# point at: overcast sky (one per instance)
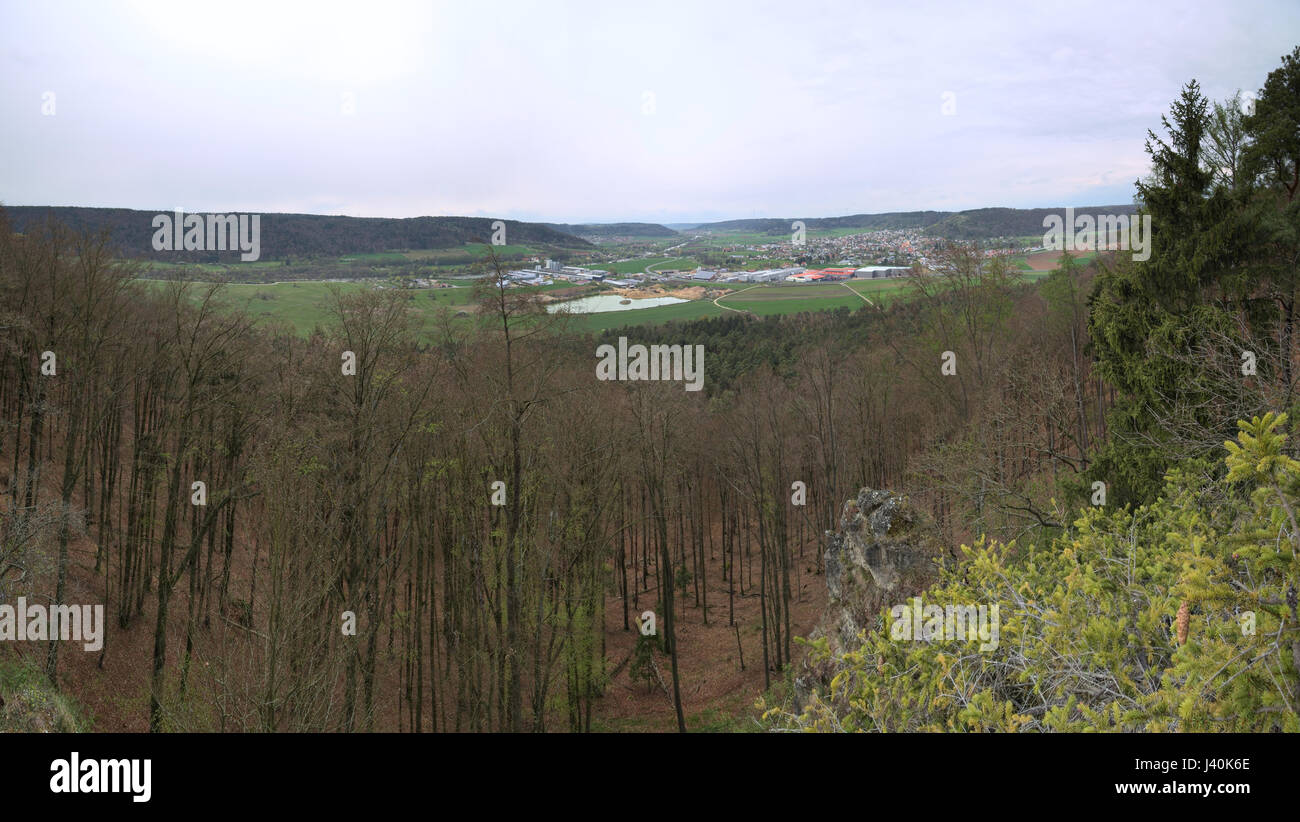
(605, 111)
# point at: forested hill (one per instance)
(1008, 222)
(610, 230)
(316, 235)
(300, 235)
(974, 224)
(866, 222)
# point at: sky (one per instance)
(605, 111)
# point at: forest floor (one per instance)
(110, 688)
(717, 695)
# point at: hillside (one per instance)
(285, 236)
(299, 235)
(601, 231)
(973, 224)
(866, 222)
(979, 223)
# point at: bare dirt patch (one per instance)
(648, 291)
(1047, 260)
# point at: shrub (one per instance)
(1177, 616)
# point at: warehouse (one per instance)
(875, 272)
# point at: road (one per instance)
(859, 293)
(649, 267)
(732, 294)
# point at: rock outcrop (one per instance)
(885, 551)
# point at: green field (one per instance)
(481, 249)
(739, 238)
(788, 299)
(159, 269)
(627, 266)
(378, 258)
(640, 239)
(305, 305)
(674, 263)
(640, 265)
(425, 261)
(880, 291)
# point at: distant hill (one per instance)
(866, 222)
(974, 224)
(1008, 222)
(603, 230)
(315, 235)
(300, 235)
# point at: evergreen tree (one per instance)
(1146, 316)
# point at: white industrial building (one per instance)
(779, 274)
(553, 268)
(875, 272)
(768, 275)
(527, 277)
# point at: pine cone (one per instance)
(1181, 624)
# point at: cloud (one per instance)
(540, 111)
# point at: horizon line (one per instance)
(664, 224)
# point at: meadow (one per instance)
(305, 305)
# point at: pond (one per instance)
(609, 302)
